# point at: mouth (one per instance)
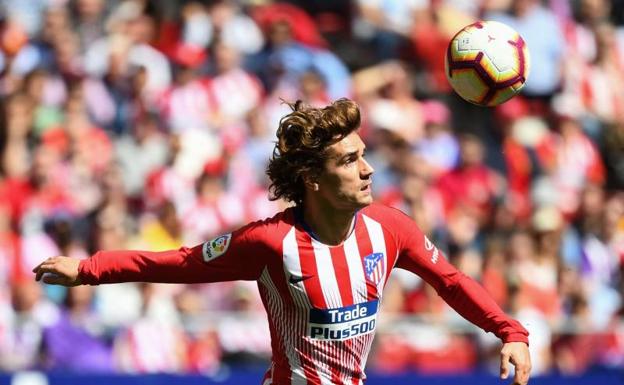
(366, 187)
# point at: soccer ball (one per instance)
(487, 63)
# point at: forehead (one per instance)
(350, 143)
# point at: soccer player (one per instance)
(321, 265)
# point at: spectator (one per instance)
(154, 343)
(539, 28)
(24, 321)
(387, 23)
(471, 186)
(234, 91)
(78, 325)
(214, 211)
(283, 59)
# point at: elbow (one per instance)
(450, 283)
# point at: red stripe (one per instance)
(307, 261)
(366, 248)
(391, 253)
(341, 269)
(343, 279)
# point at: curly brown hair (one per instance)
(303, 137)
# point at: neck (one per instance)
(330, 225)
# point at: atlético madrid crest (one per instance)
(374, 267)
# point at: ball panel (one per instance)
(461, 50)
(489, 71)
(517, 86)
(486, 70)
(501, 54)
(469, 85)
(506, 76)
(496, 28)
(501, 96)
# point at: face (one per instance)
(471, 152)
(346, 181)
(226, 58)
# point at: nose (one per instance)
(366, 170)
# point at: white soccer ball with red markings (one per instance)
(487, 63)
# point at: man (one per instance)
(321, 265)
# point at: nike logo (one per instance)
(295, 279)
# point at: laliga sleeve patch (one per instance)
(216, 247)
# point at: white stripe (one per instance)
(327, 275)
(359, 292)
(375, 232)
(356, 270)
(292, 265)
(331, 293)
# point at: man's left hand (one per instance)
(516, 353)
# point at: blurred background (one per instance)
(148, 124)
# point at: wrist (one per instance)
(516, 337)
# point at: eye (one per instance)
(350, 160)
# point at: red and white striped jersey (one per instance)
(322, 301)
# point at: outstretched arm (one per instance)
(464, 295)
(236, 256)
(474, 303)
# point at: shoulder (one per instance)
(381, 210)
(270, 230)
(387, 216)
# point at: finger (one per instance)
(46, 262)
(45, 269)
(34, 270)
(55, 279)
(504, 367)
(39, 274)
(522, 376)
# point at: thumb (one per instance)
(504, 367)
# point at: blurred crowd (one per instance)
(148, 124)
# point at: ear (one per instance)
(310, 183)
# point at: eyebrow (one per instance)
(351, 154)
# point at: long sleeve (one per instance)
(475, 304)
(466, 296)
(240, 255)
